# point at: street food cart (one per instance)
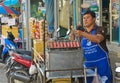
(62, 63)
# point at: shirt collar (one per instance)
(95, 27)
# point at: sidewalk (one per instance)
(114, 52)
(3, 78)
(114, 47)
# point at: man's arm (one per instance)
(94, 38)
(97, 38)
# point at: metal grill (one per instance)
(61, 59)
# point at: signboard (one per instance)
(89, 1)
(11, 22)
(4, 19)
(94, 8)
(115, 6)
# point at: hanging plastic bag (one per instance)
(32, 69)
(98, 79)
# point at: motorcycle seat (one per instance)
(24, 52)
(27, 57)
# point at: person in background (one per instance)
(93, 43)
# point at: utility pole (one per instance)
(119, 24)
(74, 13)
(27, 14)
(56, 17)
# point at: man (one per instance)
(93, 43)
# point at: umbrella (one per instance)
(5, 10)
(15, 12)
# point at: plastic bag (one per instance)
(32, 69)
(98, 79)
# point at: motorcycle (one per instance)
(20, 67)
(1, 49)
(9, 42)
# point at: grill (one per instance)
(63, 59)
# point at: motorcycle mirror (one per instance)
(68, 32)
(58, 29)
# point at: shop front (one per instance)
(32, 15)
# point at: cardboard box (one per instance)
(6, 28)
(38, 46)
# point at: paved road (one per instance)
(3, 78)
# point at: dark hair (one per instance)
(91, 13)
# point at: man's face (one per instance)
(88, 20)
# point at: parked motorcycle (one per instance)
(20, 66)
(9, 42)
(1, 49)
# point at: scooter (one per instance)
(9, 42)
(20, 66)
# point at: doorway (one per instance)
(106, 16)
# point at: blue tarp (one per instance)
(3, 10)
(50, 14)
(10, 2)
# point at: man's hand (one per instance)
(78, 33)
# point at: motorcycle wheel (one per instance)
(6, 59)
(12, 80)
(10, 67)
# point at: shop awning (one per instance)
(7, 10)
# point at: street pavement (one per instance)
(3, 78)
(114, 55)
